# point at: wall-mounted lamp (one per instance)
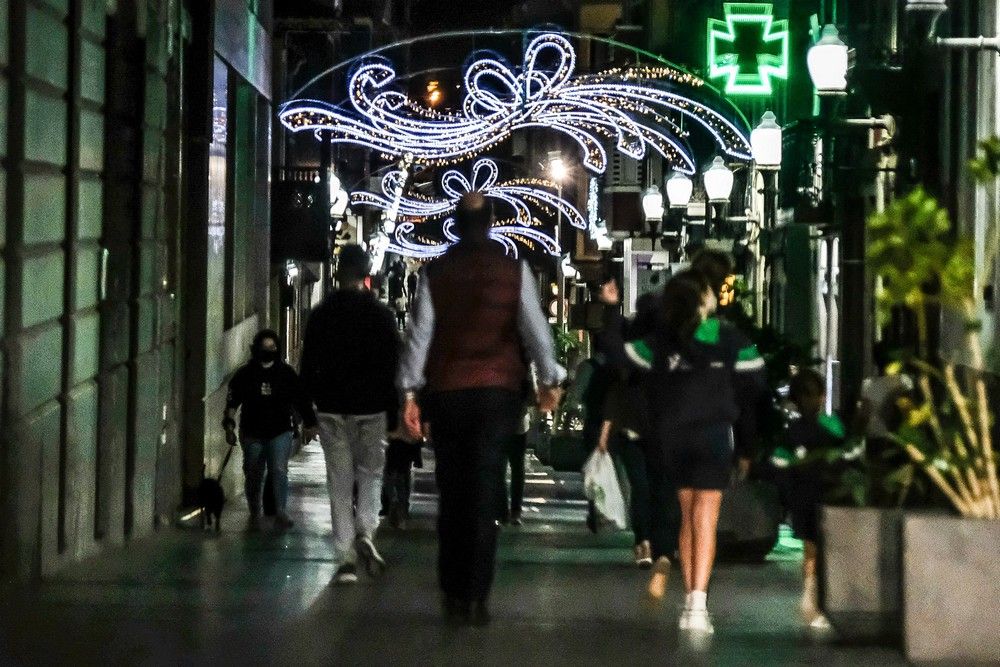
(935, 8)
(827, 61)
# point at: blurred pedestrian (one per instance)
(403, 454)
(349, 359)
(267, 392)
(476, 308)
(812, 432)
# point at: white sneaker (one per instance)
(346, 574)
(698, 621)
(684, 622)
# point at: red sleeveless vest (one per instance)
(475, 291)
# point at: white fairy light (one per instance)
(520, 195)
(499, 100)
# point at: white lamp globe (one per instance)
(718, 181)
(827, 60)
(765, 142)
(679, 189)
(652, 203)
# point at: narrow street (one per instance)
(563, 597)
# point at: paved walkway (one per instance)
(563, 597)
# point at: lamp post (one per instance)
(718, 179)
(679, 189)
(558, 171)
(652, 206)
(765, 146)
(847, 291)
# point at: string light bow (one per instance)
(639, 108)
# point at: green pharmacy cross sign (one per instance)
(749, 48)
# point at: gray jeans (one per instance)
(354, 448)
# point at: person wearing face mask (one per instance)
(267, 392)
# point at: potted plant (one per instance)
(951, 572)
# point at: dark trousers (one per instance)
(516, 447)
(664, 508)
(632, 454)
(469, 428)
(399, 460)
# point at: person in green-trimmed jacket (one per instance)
(704, 382)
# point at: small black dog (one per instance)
(211, 497)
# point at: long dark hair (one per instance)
(680, 307)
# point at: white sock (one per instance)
(699, 601)
(687, 602)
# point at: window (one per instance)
(242, 235)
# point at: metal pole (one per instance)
(560, 274)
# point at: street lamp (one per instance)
(718, 179)
(679, 189)
(652, 203)
(558, 171)
(827, 60)
(765, 143)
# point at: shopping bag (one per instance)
(600, 484)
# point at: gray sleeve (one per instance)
(535, 333)
(419, 334)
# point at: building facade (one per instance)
(133, 276)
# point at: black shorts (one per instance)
(701, 458)
(805, 496)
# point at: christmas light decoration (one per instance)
(771, 58)
(507, 233)
(626, 105)
(520, 195)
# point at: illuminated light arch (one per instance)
(520, 195)
(507, 233)
(771, 62)
(628, 106)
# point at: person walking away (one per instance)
(266, 391)
(401, 457)
(475, 309)
(812, 431)
(349, 359)
(515, 451)
(696, 397)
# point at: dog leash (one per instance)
(225, 462)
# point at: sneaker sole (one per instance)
(346, 579)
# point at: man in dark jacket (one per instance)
(349, 360)
(475, 310)
(266, 390)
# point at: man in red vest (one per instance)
(474, 311)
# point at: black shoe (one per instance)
(592, 517)
(480, 616)
(456, 612)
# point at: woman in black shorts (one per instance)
(704, 376)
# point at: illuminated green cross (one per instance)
(746, 72)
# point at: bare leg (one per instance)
(686, 538)
(811, 612)
(706, 505)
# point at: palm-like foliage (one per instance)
(947, 431)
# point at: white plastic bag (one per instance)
(600, 484)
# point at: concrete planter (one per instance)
(951, 569)
(861, 572)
